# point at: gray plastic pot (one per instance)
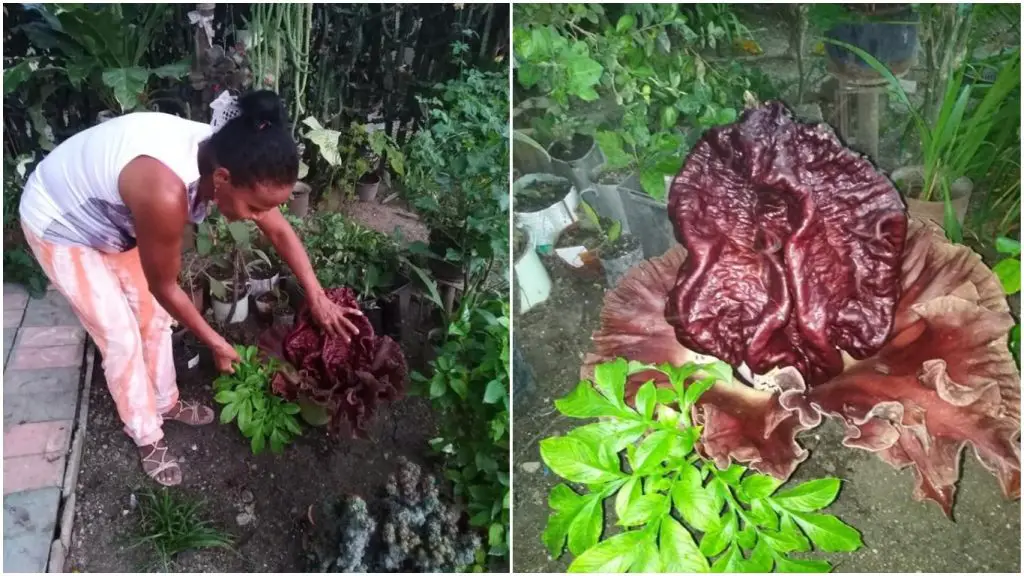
(648, 221)
(298, 204)
(367, 187)
(544, 226)
(606, 200)
(580, 170)
(616, 268)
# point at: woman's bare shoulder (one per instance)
(146, 183)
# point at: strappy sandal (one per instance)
(191, 413)
(158, 461)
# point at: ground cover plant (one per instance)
(169, 525)
(645, 454)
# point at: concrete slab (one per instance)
(27, 358)
(9, 335)
(15, 301)
(11, 288)
(29, 522)
(53, 310)
(41, 336)
(12, 318)
(38, 381)
(33, 472)
(39, 407)
(37, 438)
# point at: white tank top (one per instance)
(72, 196)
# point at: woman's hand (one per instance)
(332, 318)
(224, 355)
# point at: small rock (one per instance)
(133, 502)
(125, 512)
(530, 467)
(194, 447)
(243, 519)
(271, 475)
(252, 466)
(247, 496)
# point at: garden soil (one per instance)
(899, 535)
(261, 501)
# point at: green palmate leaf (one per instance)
(809, 496)
(1008, 272)
(763, 514)
(679, 553)
(829, 533)
(644, 509)
(614, 555)
(610, 380)
(719, 535)
(646, 399)
(652, 451)
(627, 495)
(730, 562)
(756, 486)
(585, 530)
(761, 559)
(566, 505)
(783, 564)
(127, 85)
(697, 504)
(575, 461)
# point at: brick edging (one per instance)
(61, 545)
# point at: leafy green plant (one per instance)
(354, 153)
(20, 267)
(100, 46)
(345, 253)
(469, 388)
(666, 491)
(230, 254)
(246, 397)
(171, 525)
(1008, 272)
(662, 157)
(951, 144)
(610, 231)
(457, 177)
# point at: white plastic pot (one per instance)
(260, 287)
(532, 279)
(544, 226)
(222, 309)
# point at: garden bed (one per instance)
(220, 469)
(899, 535)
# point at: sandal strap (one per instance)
(162, 463)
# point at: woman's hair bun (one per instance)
(262, 107)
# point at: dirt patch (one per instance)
(220, 469)
(387, 218)
(900, 535)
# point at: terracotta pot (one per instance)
(934, 210)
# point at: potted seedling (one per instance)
(354, 154)
(615, 251)
(544, 205)
(225, 244)
(382, 149)
(272, 304)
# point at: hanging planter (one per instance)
(578, 161)
(533, 284)
(910, 182)
(298, 204)
(545, 205)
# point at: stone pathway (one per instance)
(44, 367)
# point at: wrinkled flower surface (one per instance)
(925, 370)
(794, 247)
(349, 379)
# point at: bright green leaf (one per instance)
(652, 451)
(697, 504)
(644, 509)
(829, 533)
(809, 496)
(783, 564)
(585, 530)
(1008, 272)
(756, 486)
(719, 534)
(495, 391)
(731, 562)
(679, 553)
(575, 461)
(628, 494)
(646, 399)
(615, 554)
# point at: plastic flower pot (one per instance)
(578, 161)
(618, 259)
(298, 204)
(910, 180)
(545, 224)
(532, 279)
(260, 286)
(222, 309)
(648, 220)
(606, 199)
(367, 187)
(574, 254)
(892, 40)
(185, 349)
